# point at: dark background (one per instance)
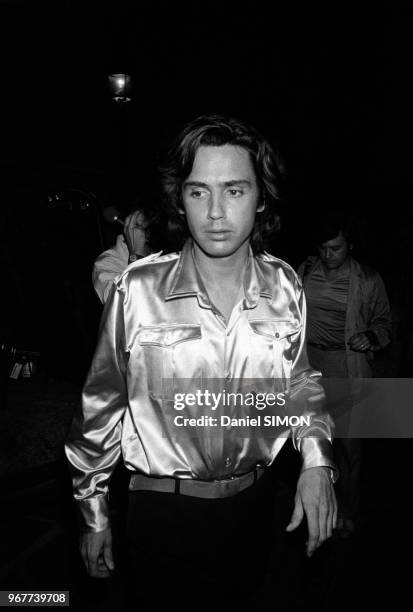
(330, 85)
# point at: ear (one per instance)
(261, 206)
(180, 208)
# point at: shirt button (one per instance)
(228, 462)
(277, 335)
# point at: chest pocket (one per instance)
(169, 353)
(271, 349)
(275, 330)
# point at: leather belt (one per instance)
(196, 488)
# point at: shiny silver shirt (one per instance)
(159, 331)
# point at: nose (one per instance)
(327, 253)
(215, 208)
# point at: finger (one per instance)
(93, 568)
(128, 221)
(100, 570)
(93, 558)
(330, 522)
(84, 556)
(108, 556)
(313, 532)
(297, 515)
(103, 569)
(323, 520)
(335, 511)
(329, 525)
(331, 516)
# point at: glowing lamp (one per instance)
(120, 87)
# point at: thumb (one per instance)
(108, 556)
(297, 515)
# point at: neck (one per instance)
(330, 273)
(222, 269)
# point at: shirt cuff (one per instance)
(318, 452)
(94, 513)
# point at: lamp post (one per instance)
(120, 87)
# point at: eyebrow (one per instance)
(232, 183)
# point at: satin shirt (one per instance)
(159, 331)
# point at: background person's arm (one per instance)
(380, 323)
(108, 266)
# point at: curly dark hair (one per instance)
(217, 130)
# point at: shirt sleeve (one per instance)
(93, 445)
(108, 266)
(307, 398)
(380, 319)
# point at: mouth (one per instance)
(218, 234)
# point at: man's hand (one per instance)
(316, 498)
(135, 233)
(96, 551)
(360, 342)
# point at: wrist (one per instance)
(330, 472)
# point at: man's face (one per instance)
(334, 253)
(220, 198)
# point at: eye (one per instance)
(235, 193)
(196, 193)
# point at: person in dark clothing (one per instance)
(348, 320)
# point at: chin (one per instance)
(330, 266)
(218, 250)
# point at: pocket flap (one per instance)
(275, 329)
(168, 335)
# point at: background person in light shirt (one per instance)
(202, 512)
(130, 246)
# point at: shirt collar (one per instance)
(187, 280)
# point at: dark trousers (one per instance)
(202, 554)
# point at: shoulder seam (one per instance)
(282, 263)
(153, 258)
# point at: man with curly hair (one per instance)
(201, 503)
